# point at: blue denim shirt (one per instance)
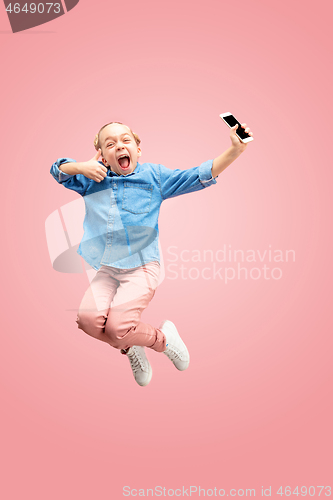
(121, 219)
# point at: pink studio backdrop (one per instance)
(255, 407)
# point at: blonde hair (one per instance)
(97, 143)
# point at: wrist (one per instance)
(235, 150)
(78, 167)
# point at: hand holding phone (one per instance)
(231, 121)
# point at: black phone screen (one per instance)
(231, 120)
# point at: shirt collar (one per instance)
(113, 174)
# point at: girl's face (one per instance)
(119, 150)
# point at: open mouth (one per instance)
(124, 161)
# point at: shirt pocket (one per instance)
(137, 198)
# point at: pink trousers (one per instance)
(111, 307)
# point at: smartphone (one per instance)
(231, 121)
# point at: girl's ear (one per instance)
(139, 151)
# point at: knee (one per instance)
(114, 338)
(117, 334)
(91, 322)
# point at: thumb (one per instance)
(97, 155)
(235, 127)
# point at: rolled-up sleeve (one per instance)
(177, 182)
(78, 183)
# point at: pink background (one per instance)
(255, 407)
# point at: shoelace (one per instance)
(135, 361)
(173, 353)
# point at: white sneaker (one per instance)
(176, 350)
(140, 365)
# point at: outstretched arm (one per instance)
(236, 149)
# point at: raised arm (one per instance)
(236, 149)
(177, 182)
